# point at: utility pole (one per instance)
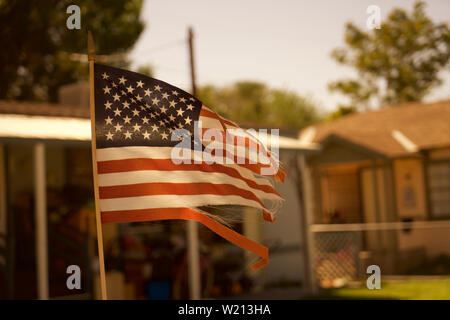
(191, 60)
(192, 226)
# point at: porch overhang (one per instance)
(336, 149)
(24, 127)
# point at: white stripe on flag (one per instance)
(173, 201)
(152, 176)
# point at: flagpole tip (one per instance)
(91, 49)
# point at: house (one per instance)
(46, 209)
(384, 166)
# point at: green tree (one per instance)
(400, 62)
(146, 69)
(40, 51)
(255, 104)
(340, 112)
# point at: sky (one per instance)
(285, 44)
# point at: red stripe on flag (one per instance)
(113, 166)
(158, 188)
(167, 165)
(190, 214)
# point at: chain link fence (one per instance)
(342, 252)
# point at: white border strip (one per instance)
(40, 127)
(404, 141)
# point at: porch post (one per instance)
(40, 211)
(3, 218)
(377, 202)
(309, 221)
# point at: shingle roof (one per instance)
(43, 109)
(426, 125)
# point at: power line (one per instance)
(167, 45)
(82, 57)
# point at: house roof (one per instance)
(42, 109)
(392, 131)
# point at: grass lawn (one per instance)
(411, 289)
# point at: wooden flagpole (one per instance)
(193, 248)
(101, 260)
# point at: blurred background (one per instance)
(360, 91)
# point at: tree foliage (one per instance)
(340, 112)
(255, 103)
(400, 62)
(39, 56)
(147, 70)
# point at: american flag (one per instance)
(140, 122)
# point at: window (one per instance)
(439, 188)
